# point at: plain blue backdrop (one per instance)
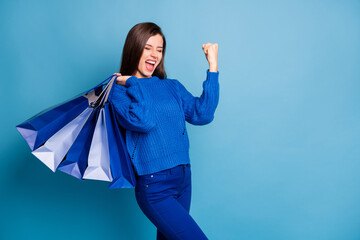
(281, 159)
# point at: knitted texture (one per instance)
(153, 111)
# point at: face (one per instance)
(151, 57)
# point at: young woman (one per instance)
(153, 110)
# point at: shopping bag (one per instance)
(76, 159)
(120, 163)
(43, 125)
(87, 142)
(99, 160)
(55, 148)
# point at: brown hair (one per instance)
(134, 46)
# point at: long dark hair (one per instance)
(134, 46)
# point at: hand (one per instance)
(211, 53)
(121, 80)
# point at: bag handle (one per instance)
(102, 83)
(104, 93)
(109, 86)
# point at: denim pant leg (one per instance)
(162, 197)
(184, 195)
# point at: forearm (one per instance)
(200, 110)
(130, 105)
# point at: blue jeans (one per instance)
(164, 197)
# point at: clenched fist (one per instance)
(211, 53)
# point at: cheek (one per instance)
(160, 60)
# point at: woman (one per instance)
(153, 110)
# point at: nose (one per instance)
(154, 53)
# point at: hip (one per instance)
(172, 180)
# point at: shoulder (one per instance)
(172, 81)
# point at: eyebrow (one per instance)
(151, 45)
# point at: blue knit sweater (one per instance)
(153, 111)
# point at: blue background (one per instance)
(281, 159)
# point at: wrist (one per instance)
(213, 67)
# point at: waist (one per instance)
(169, 170)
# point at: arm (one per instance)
(131, 108)
(201, 110)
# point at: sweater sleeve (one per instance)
(201, 110)
(131, 108)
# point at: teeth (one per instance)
(151, 62)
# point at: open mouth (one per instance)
(150, 65)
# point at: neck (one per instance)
(140, 75)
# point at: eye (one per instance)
(160, 51)
(147, 48)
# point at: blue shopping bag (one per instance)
(121, 166)
(45, 124)
(83, 138)
(42, 126)
(75, 161)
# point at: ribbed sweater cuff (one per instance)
(131, 81)
(212, 76)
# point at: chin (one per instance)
(147, 73)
